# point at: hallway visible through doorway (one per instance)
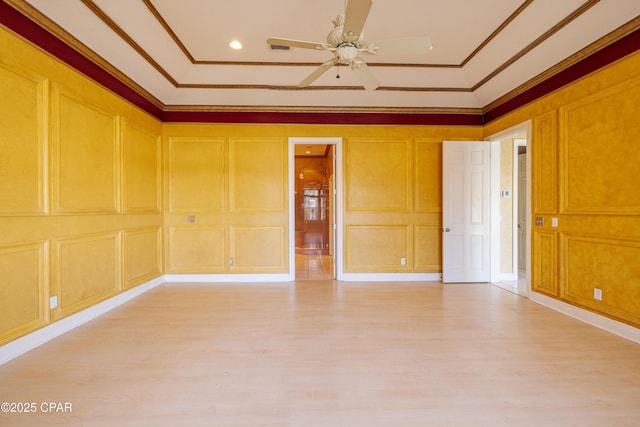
(314, 211)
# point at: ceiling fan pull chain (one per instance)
(338, 70)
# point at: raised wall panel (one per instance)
(87, 270)
(545, 163)
(23, 289)
(142, 255)
(608, 264)
(428, 175)
(378, 248)
(258, 249)
(378, 174)
(197, 249)
(599, 152)
(85, 156)
(141, 170)
(196, 175)
(544, 263)
(257, 174)
(427, 244)
(23, 185)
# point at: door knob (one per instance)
(446, 230)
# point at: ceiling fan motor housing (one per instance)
(346, 53)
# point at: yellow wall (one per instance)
(585, 173)
(80, 191)
(232, 180)
(96, 196)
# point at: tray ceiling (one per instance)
(177, 51)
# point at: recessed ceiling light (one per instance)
(307, 152)
(236, 45)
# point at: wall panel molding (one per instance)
(609, 264)
(24, 290)
(258, 249)
(141, 170)
(86, 270)
(197, 180)
(428, 175)
(545, 163)
(142, 260)
(85, 155)
(197, 249)
(381, 179)
(544, 262)
(24, 171)
(427, 244)
(597, 142)
(257, 174)
(378, 248)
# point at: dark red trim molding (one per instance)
(613, 52)
(323, 118)
(24, 27)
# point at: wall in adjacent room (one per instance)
(585, 173)
(506, 207)
(80, 191)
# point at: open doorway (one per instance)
(512, 201)
(314, 207)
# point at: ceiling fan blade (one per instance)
(404, 45)
(355, 16)
(318, 72)
(294, 43)
(366, 77)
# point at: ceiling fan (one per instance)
(347, 41)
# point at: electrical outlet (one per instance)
(53, 302)
(597, 294)
(191, 218)
(554, 222)
(403, 261)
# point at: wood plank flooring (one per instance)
(326, 353)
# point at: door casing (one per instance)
(337, 255)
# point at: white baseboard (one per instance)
(391, 277)
(226, 278)
(35, 339)
(618, 328)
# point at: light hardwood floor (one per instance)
(324, 353)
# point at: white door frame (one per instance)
(526, 128)
(337, 256)
(517, 193)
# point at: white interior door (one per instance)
(466, 212)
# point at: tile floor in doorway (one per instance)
(314, 267)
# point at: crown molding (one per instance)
(626, 30)
(28, 23)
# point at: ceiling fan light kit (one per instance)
(347, 41)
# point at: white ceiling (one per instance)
(178, 52)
